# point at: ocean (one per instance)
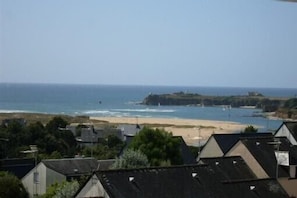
(123, 101)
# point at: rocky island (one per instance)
(251, 100)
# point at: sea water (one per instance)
(124, 101)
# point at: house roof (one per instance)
(263, 149)
(130, 129)
(232, 167)
(182, 181)
(72, 166)
(258, 188)
(105, 164)
(18, 167)
(227, 141)
(186, 154)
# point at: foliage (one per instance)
(99, 151)
(113, 141)
(62, 190)
(107, 148)
(11, 186)
(158, 145)
(291, 103)
(250, 129)
(195, 150)
(55, 124)
(131, 159)
(50, 140)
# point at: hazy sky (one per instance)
(238, 43)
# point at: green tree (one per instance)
(158, 145)
(131, 159)
(250, 129)
(56, 123)
(62, 190)
(113, 141)
(99, 151)
(11, 186)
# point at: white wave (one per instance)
(106, 113)
(146, 110)
(96, 112)
(15, 111)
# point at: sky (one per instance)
(228, 43)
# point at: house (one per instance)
(129, 129)
(50, 171)
(91, 135)
(218, 144)
(176, 181)
(268, 157)
(289, 130)
(20, 121)
(17, 166)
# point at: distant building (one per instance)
(20, 121)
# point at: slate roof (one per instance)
(73, 166)
(264, 152)
(257, 188)
(233, 167)
(186, 154)
(105, 164)
(227, 141)
(183, 181)
(18, 167)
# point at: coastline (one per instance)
(193, 131)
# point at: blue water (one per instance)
(119, 101)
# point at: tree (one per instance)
(62, 190)
(131, 159)
(158, 145)
(114, 142)
(11, 186)
(250, 129)
(56, 123)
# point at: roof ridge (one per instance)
(67, 159)
(247, 180)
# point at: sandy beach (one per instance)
(193, 131)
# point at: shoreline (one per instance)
(193, 131)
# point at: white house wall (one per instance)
(28, 181)
(53, 177)
(211, 149)
(284, 132)
(93, 188)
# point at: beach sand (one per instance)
(193, 131)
